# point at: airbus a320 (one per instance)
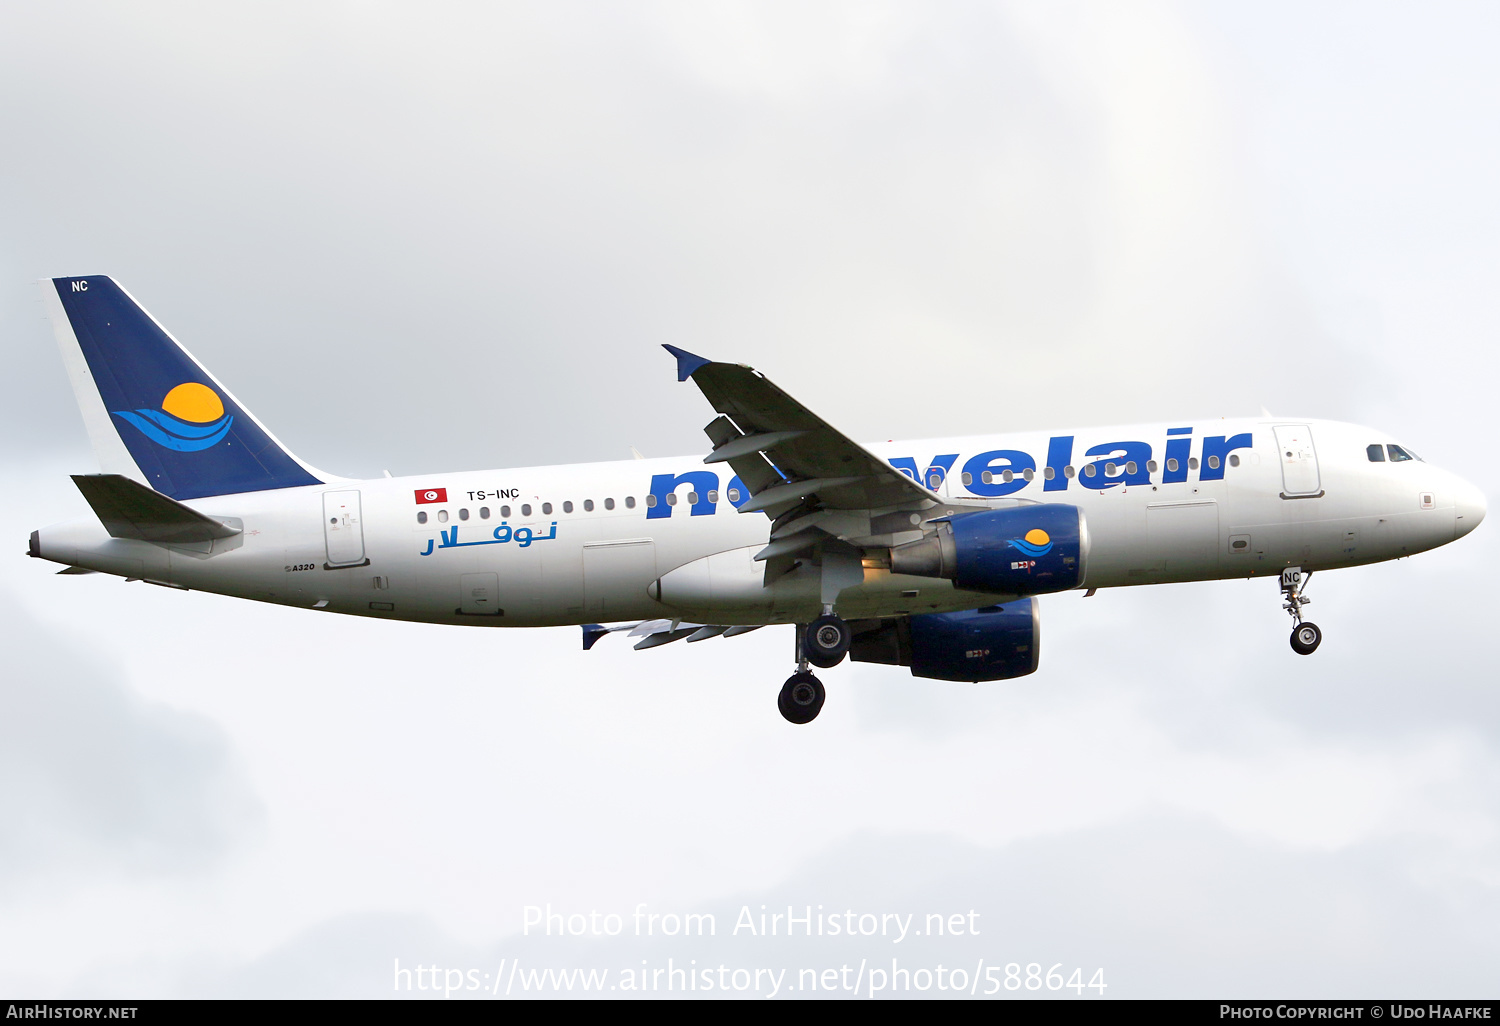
(927, 555)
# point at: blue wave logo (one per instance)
(191, 419)
(1036, 543)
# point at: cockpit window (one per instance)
(1398, 454)
(1376, 453)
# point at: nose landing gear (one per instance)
(1306, 637)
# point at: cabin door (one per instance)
(343, 534)
(1299, 461)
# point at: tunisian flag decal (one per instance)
(432, 495)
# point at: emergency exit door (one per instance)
(343, 533)
(1299, 461)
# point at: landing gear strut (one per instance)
(1306, 637)
(802, 695)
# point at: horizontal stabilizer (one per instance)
(128, 509)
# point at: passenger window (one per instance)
(630, 502)
(1028, 473)
(713, 495)
(967, 479)
(1376, 453)
(421, 516)
(1007, 476)
(987, 477)
(1068, 471)
(1049, 473)
(505, 511)
(733, 494)
(546, 509)
(609, 503)
(1172, 465)
(463, 514)
(1192, 463)
(1398, 454)
(588, 505)
(1213, 463)
(484, 512)
(1110, 470)
(1090, 470)
(1150, 466)
(1234, 460)
(692, 498)
(1130, 467)
(526, 509)
(568, 507)
(671, 498)
(442, 516)
(651, 501)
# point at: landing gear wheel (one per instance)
(801, 698)
(1306, 638)
(826, 641)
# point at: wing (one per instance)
(802, 456)
(811, 480)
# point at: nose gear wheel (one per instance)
(1306, 637)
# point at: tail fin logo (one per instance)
(191, 419)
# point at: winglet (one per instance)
(686, 361)
(592, 632)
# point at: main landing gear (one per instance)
(823, 643)
(801, 697)
(1306, 637)
(826, 641)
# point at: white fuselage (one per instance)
(504, 550)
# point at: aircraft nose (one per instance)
(1469, 506)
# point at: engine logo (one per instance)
(1036, 543)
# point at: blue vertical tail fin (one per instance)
(153, 412)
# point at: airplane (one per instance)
(928, 555)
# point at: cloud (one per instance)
(431, 240)
(1041, 220)
(1159, 905)
(95, 781)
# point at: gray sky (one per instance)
(439, 237)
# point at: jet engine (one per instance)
(993, 643)
(1025, 550)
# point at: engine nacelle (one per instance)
(1025, 550)
(994, 643)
